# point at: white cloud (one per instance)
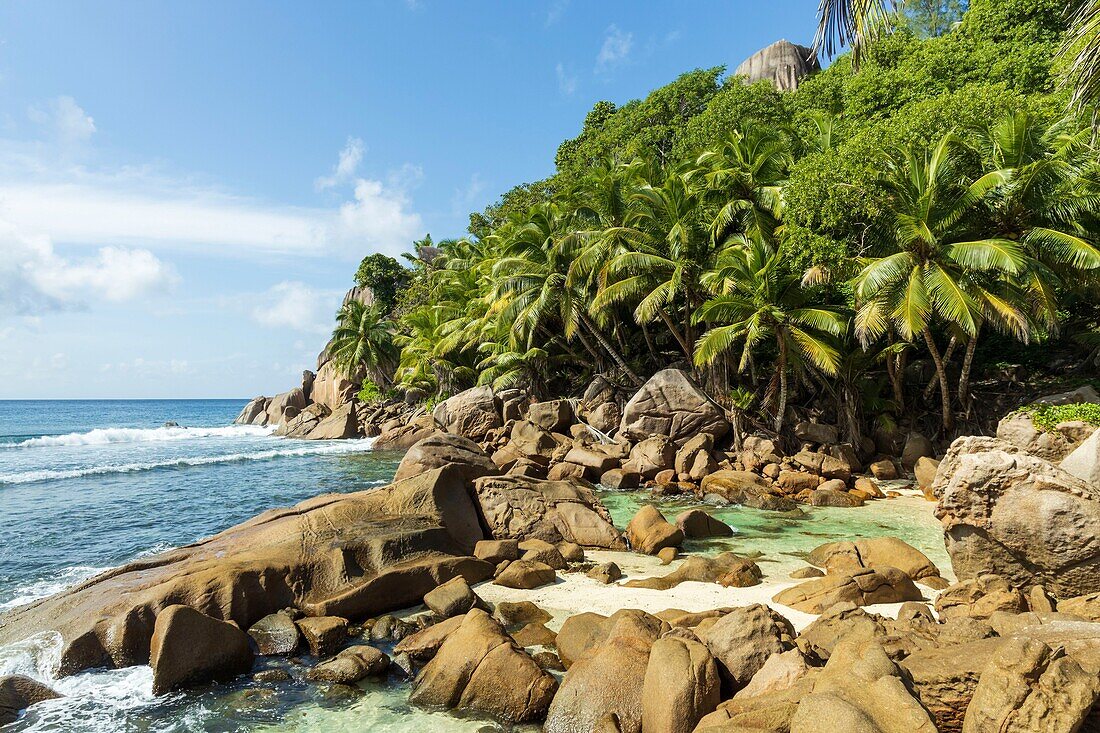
(378, 220)
(466, 197)
(615, 49)
(297, 306)
(350, 158)
(35, 279)
(567, 84)
(66, 118)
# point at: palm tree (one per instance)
(363, 341)
(763, 301)
(853, 23)
(933, 269)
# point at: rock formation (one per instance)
(783, 63)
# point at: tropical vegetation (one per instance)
(863, 245)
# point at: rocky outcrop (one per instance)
(17, 693)
(876, 552)
(1028, 687)
(783, 63)
(480, 668)
(331, 387)
(672, 404)
(1084, 461)
(350, 555)
(1011, 514)
(444, 449)
(516, 507)
(861, 587)
(743, 639)
(471, 413)
(189, 647)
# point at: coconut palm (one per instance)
(363, 342)
(764, 302)
(933, 269)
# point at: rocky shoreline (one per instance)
(490, 574)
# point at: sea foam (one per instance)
(109, 436)
(343, 446)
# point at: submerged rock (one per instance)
(350, 666)
(17, 693)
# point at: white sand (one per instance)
(576, 593)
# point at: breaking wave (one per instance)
(110, 436)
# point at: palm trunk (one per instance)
(945, 392)
(610, 348)
(946, 358)
(781, 412)
(895, 368)
(676, 332)
(964, 377)
(649, 344)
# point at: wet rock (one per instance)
(269, 676)
(350, 666)
(649, 531)
(861, 587)
(480, 668)
(189, 647)
(695, 523)
(324, 634)
(275, 635)
(746, 488)
(17, 693)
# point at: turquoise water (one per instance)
(87, 485)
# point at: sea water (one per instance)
(88, 485)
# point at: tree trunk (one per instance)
(782, 366)
(945, 391)
(649, 344)
(964, 377)
(679, 337)
(610, 348)
(946, 359)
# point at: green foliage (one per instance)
(385, 277)
(928, 18)
(1047, 417)
(369, 392)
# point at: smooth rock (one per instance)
(189, 647)
(672, 404)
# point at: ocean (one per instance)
(86, 485)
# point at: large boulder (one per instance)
(282, 407)
(254, 413)
(554, 416)
(649, 531)
(608, 678)
(673, 405)
(860, 690)
(351, 555)
(471, 413)
(17, 693)
(1084, 461)
(979, 597)
(1028, 687)
(405, 436)
(1011, 514)
(696, 524)
(743, 639)
(331, 387)
(517, 507)
(342, 423)
(275, 635)
(424, 644)
(812, 432)
(479, 667)
(783, 63)
(1019, 429)
(681, 685)
(350, 666)
(861, 587)
(916, 446)
(189, 647)
(443, 449)
(944, 678)
(746, 488)
(653, 455)
(525, 575)
(874, 553)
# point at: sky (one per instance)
(186, 188)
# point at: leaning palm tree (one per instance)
(934, 270)
(363, 342)
(763, 301)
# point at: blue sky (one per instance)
(186, 187)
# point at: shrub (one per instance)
(1046, 417)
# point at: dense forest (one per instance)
(874, 243)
